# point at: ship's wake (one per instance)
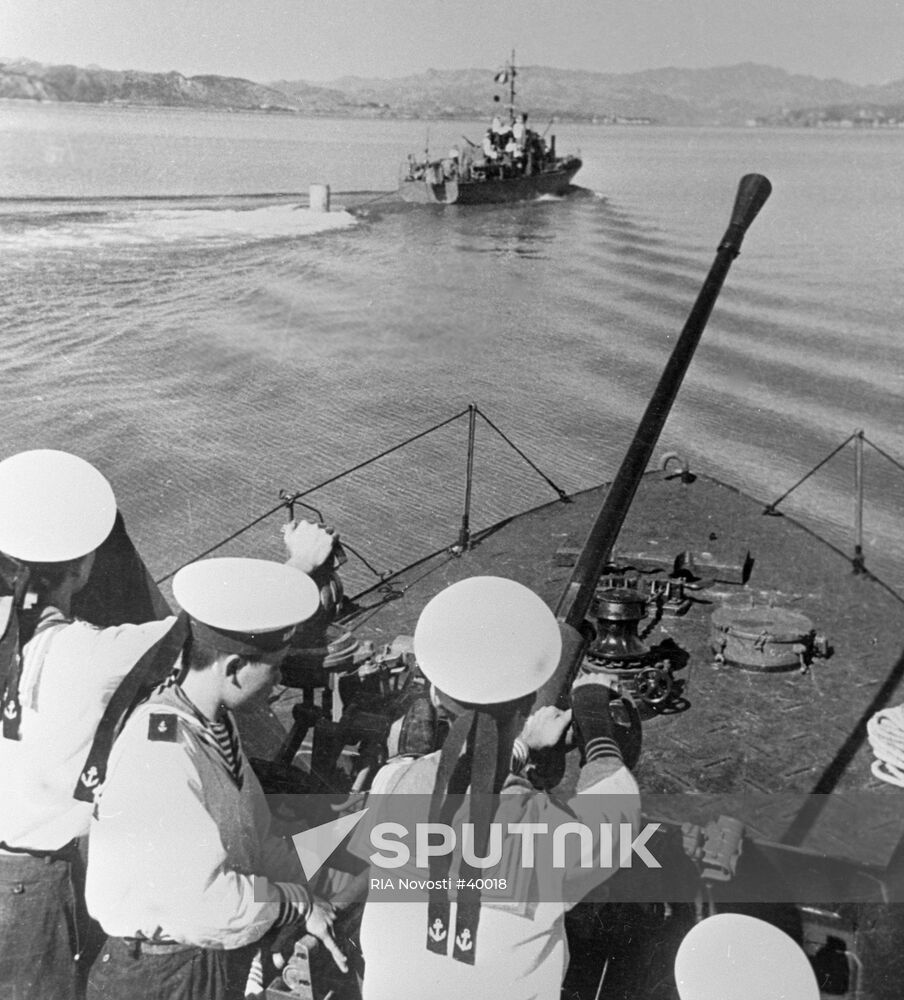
(77, 224)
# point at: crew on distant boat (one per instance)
(513, 150)
(514, 156)
(416, 170)
(455, 163)
(520, 131)
(501, 132)
(509, 150)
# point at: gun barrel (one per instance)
(577, 596)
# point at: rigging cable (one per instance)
(289, 499)
(771, 507)
(563, 496)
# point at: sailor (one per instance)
(463, 157)
(520, 130)
(489, 146)
(184, 871)
(514, 155)
(538, 147)
(488, 644)
(56, 675)
(317, 551)
(501, 132)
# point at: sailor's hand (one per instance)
(309, 545)
(545, 727)
(320, 924)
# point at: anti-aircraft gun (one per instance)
(363, 705)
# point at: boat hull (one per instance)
(491, 191)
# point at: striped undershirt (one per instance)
(221, 736)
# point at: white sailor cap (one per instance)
(731, 956)
(245, 606)
(486, 640)
(53, 506)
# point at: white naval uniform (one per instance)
(518, 956)
(70, 671)
(179, 850)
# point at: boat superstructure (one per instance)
(513, 163)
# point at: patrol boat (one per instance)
(473, 178)
(747, 655)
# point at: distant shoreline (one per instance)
(843, 125)
(357, 114)
(734, 96)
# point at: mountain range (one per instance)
(730, 95)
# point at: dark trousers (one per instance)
(41, 929)
(132, 971)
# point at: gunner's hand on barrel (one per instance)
(309, 545)
(545, 727)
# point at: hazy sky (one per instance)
(861, 41)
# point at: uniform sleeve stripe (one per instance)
(520, 755)
(295, 903)
(602, 746)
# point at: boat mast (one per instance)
(512, 75)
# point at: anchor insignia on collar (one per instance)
(437, 930)
(463, 941)
(90, 777)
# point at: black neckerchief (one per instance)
(476, 754)
(13, 586)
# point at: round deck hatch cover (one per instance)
(777, 624)
(762, 638)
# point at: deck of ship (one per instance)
(765, 748)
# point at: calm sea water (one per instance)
(173, 312)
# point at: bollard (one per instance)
(319, 197)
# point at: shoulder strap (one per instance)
(148, 672)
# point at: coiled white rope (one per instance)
(886, 736)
